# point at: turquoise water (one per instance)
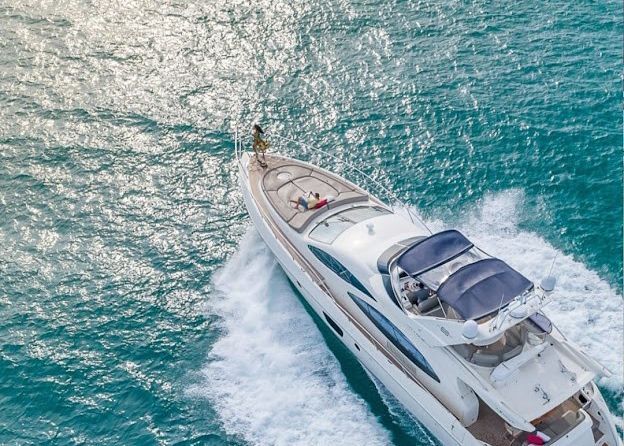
(136, 304)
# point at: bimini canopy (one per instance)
(481, 288)
(433, 252)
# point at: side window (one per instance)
(339, 269)
(333, 325)
(396, 336)
(408, 349)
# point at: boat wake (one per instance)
(401, 416)
(271, 376)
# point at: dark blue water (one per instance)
(136, 304)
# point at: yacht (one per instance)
(456, 335)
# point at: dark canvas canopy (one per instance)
(480, 288)
(433, 251)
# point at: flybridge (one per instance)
(442, 332)
(470, 282)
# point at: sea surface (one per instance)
(137, 304)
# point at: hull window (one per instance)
(396, 336)
(333, 325)
(339, 269)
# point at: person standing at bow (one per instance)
(260, 145)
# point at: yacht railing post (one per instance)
(238, 150)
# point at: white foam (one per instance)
(401, 416)
(271, 377)
(586, 309)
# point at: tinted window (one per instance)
(408, 349)
(339, 269)
(396, 336)
(333, 325)
(329, 229)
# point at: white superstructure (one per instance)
(455, 335)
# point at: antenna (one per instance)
(553, 263)
(495, 325)
(548, 282)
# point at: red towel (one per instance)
(535, 440)
(320, 204)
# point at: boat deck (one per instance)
(286, 179)
(490, 428)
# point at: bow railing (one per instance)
(348, 171)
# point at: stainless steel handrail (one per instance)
(390, 196)
(238, 146)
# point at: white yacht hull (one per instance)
(423, 405)
(419, 402)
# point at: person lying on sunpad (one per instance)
(308, 202)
